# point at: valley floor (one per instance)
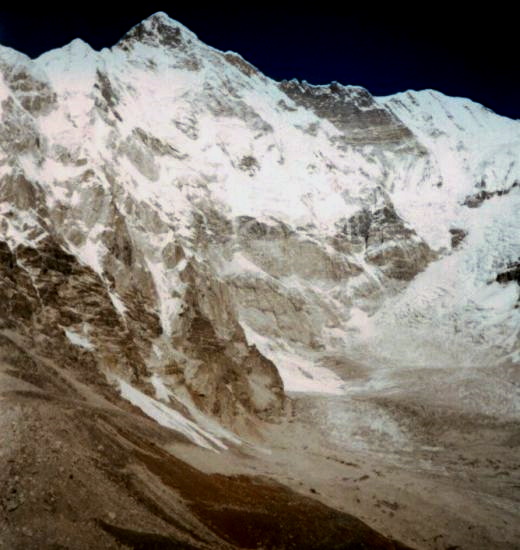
(80, 468)
(435, 478)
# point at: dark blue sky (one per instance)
(468, 53)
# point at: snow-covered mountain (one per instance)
(204, 240)
(302, 220)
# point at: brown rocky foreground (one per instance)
(79, 468)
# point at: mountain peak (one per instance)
(159, 30)
(78, 47)
(160, 16)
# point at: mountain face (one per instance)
(182, 233)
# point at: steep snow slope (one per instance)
(456, 312)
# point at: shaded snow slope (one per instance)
(456, 312)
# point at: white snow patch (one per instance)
(117, 303)
(301, 375)
(79, 340)
(298, 374)
(360, 322)
(168, 306)
(161, 391)
(239, 265)
(170, 418)
(498, 298)
(4, 91)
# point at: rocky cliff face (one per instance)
(189, 227)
